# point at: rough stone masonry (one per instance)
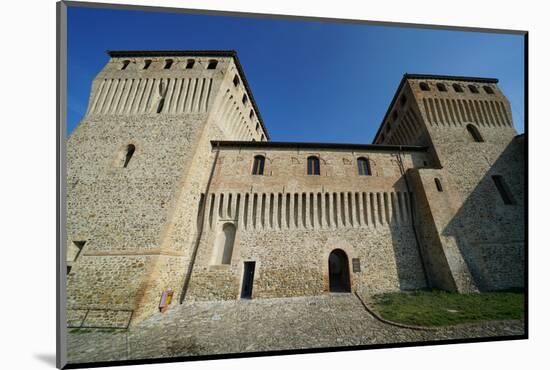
(174, 187)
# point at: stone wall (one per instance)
(288, 222)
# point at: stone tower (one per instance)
(137, 163)
(472, 236)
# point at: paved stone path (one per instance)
(260, 325)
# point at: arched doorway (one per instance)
(338, 271)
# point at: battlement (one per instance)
(166, 83)
(425, 101)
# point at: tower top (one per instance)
(195, 53)
(412, 76)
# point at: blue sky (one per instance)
(313, 81)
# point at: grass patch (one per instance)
(440, 308)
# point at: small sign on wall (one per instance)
(165, 300)
(356, 265)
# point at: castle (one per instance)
(175, 193)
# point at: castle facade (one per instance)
(175, 193)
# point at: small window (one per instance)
(262, 138)
(503, 189)
(212, 64)
(458, 88)
(236, 81)
(474, 132)
(394, 116)
(438, 185)
(424, 86)
(403, 100)
(257, 127)
(441, 87)
(382, 137)
(251, 115)
(129, 153)
(147, 64)
(124, 65)
(488, 90)
(259, 163)
(473, 89)
(363, 166)
(168, 63)
(313, 167)
(245, 99)
(190, 64)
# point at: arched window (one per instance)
(363, 166)
(438, 184)
(424, 86)
(441, 87)
(129, 153)
(473, 89)
(457, 88)
(168, 63)
(190, 63)
(313, 166)
(125, 64)
(147, 64)
(224, 244)
(488, 90)
(475, 133)
(212, 64)
(259, 163)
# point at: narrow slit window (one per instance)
(473, 89)
(190, 64)
(129, 153)
(251, 115)
(438, 185)
(488, 90)
(168, 63)
(474, 132)
(212, 64)
(457, 88)
(125, 64)
(245, 99)
(236, 81)
(313, 167)
(441, 87)
(363, 166)
(503, 189)
(258, 166)
(147, 64)
(403, 100)
(424, 86)
(226, 240)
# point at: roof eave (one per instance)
(298, 145)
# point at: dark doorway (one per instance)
(338, 271)
(248, 279)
